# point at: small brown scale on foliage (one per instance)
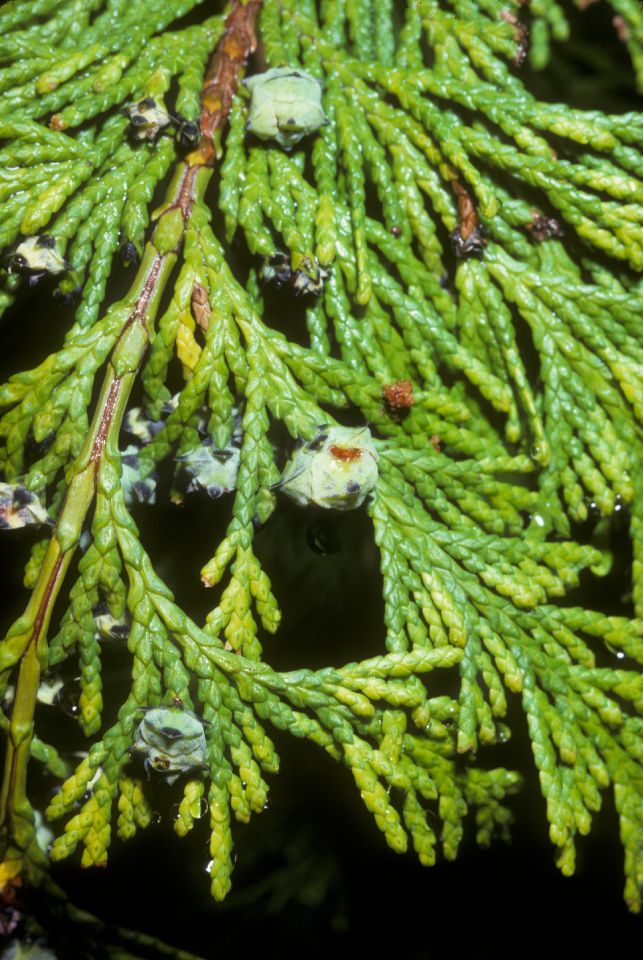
(544, 228)
(398, 396)
(467, 238)
(347, 454)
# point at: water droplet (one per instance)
(69, 705)
(538, 520)
(267, 805)
(203, 807)
(208, 866)
(620, 655)
(67, 697)
(156, 817)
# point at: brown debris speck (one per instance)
(467, 214)
(348, 454)
(201, 309)
(398, 396)
(467, 238)
(621, 27)
(521, 36)
(544, 228)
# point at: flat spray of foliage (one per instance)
(431, 143)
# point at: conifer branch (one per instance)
(466, 257)
(27, 639)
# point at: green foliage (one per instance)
(484, 472)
